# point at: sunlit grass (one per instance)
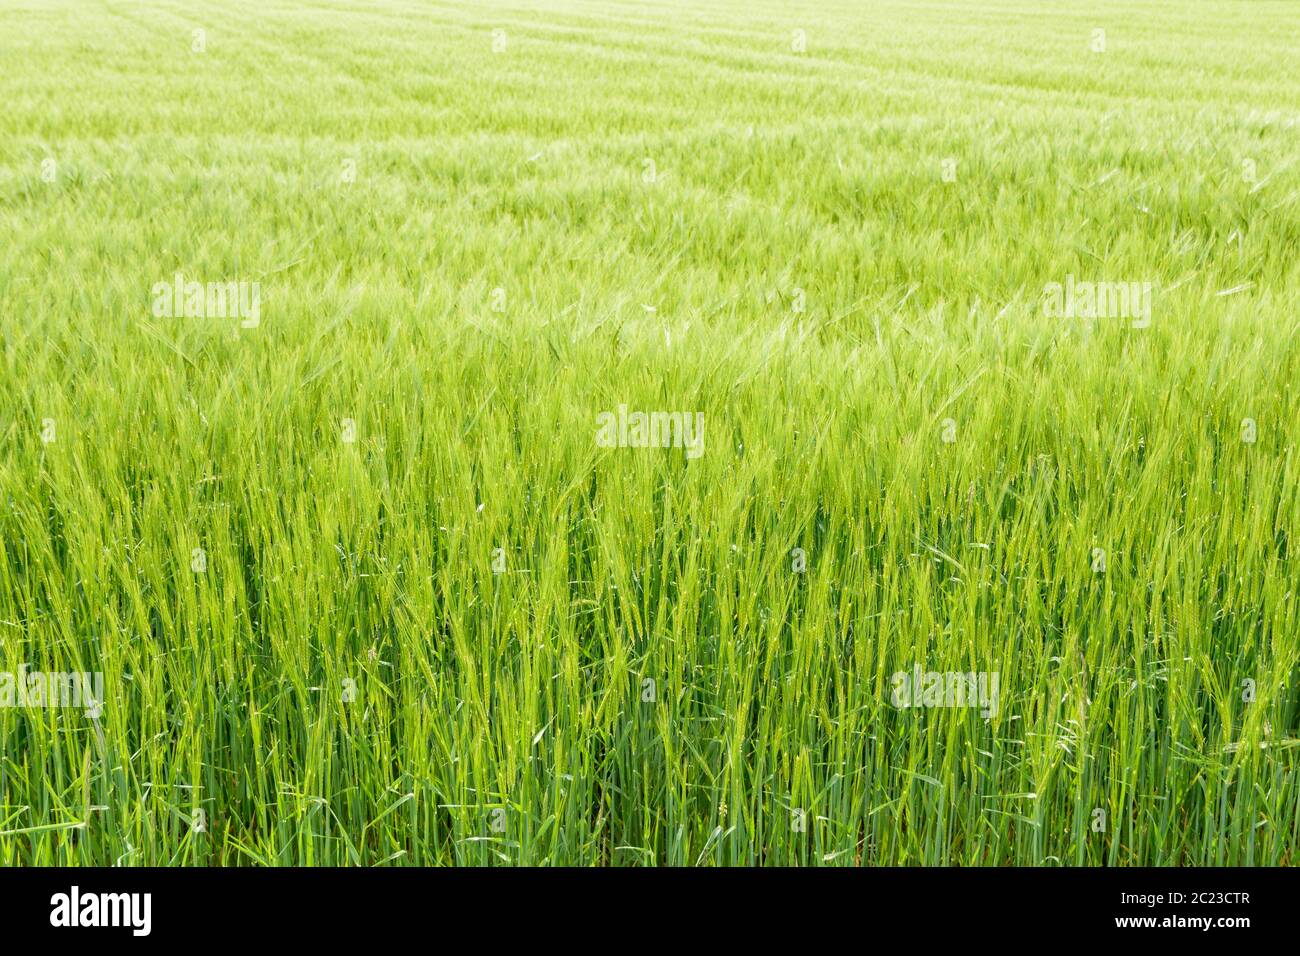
(681, 213)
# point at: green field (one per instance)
(365, 582)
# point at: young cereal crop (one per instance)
(645, 432)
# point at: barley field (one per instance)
(649, 432)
